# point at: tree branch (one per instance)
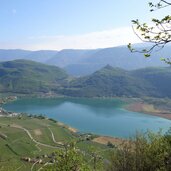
(166, 2)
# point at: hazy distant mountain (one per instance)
(117, 57)
(123, 58)
(41, 56)
(84, 62)
(13, 54)
(83, 69)
(70, 56)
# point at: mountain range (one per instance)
(29, 77)
(85, 62)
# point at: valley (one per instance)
(85, 85)
(38, 102)
(44, 108)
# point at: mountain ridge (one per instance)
(27, 77)
(79, 62)
(24, 76)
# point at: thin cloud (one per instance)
(101, 39)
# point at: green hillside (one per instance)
(159, 78)
(22, 76)
(109, 82)
(28, 77)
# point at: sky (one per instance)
(71, 24)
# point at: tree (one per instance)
(159, 34)
(68, 159)
(95, 159)
(147, 152)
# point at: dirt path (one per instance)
(33, 165)
(53, 137)
(30, 136)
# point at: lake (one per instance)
(99, 116)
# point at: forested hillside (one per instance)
(23, 76)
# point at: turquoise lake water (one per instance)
(99, 116)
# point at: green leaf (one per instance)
(147, 55)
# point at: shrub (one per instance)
(146, 152)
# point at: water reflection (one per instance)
(100, 116)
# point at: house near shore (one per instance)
(28, 159)
(3, 112)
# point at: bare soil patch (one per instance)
(37, 132)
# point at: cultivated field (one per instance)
(28, 143)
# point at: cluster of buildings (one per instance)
(3, 112)
(40, 159)
(7, 99)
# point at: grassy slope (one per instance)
(28, 76)
(18, 144)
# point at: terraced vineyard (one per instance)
(28, 143)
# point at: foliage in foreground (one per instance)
(72, 159)
(158, 34)
(69, 159)
(147, 152)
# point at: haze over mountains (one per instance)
(84, 62)
(23, 71)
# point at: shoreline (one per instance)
(72, 129)
(148, 109)
(101, 139)
(134, 106)
(107, 139)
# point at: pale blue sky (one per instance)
(59, 24)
